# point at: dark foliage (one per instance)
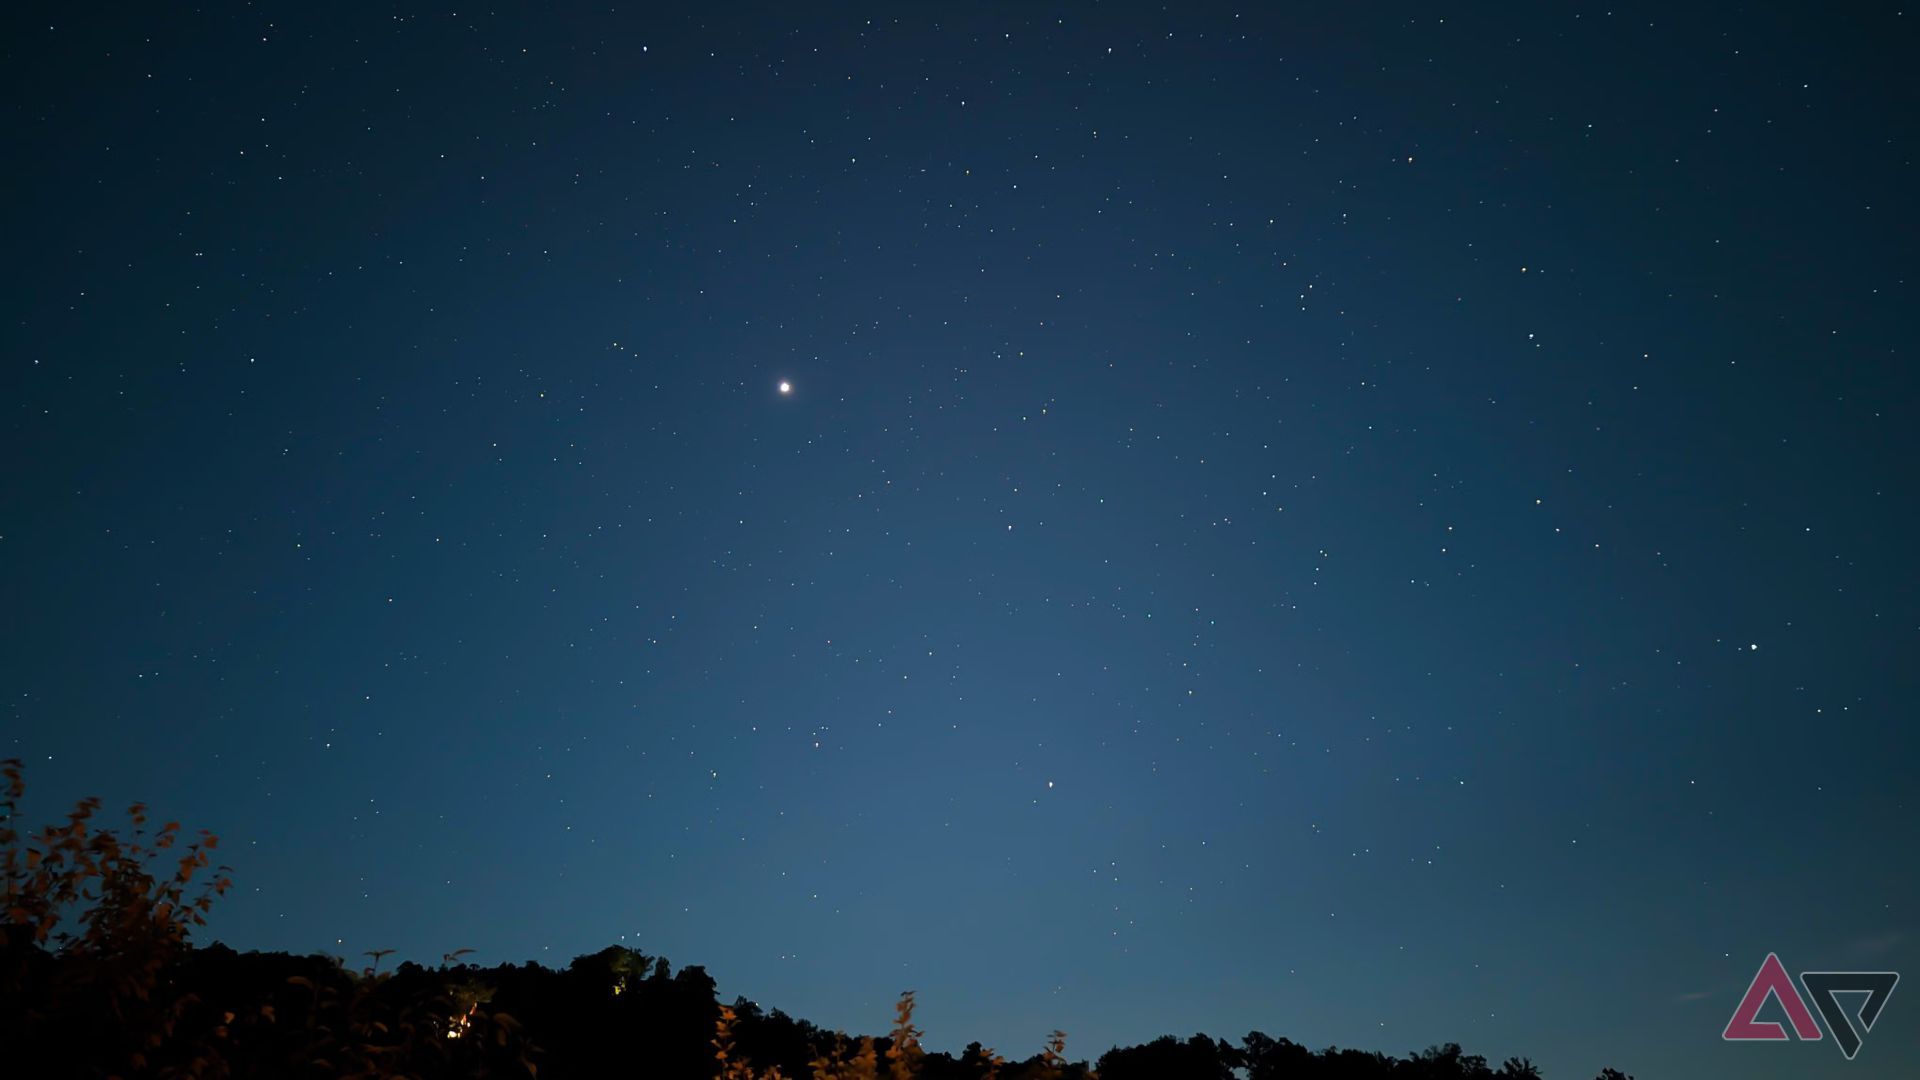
(98, 979)
(616, 1012)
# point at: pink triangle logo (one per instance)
(1771, 979)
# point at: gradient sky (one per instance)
(1375, 524)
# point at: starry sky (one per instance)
(1376, 523)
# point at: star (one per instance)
(786, 388)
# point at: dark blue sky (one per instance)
(1375, 527)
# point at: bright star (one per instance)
(786, 387)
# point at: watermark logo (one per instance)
(1824, 987)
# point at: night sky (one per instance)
(1384, 525)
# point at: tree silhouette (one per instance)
(98, 977)
(1199, 1057)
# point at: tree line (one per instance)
(99, 978)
